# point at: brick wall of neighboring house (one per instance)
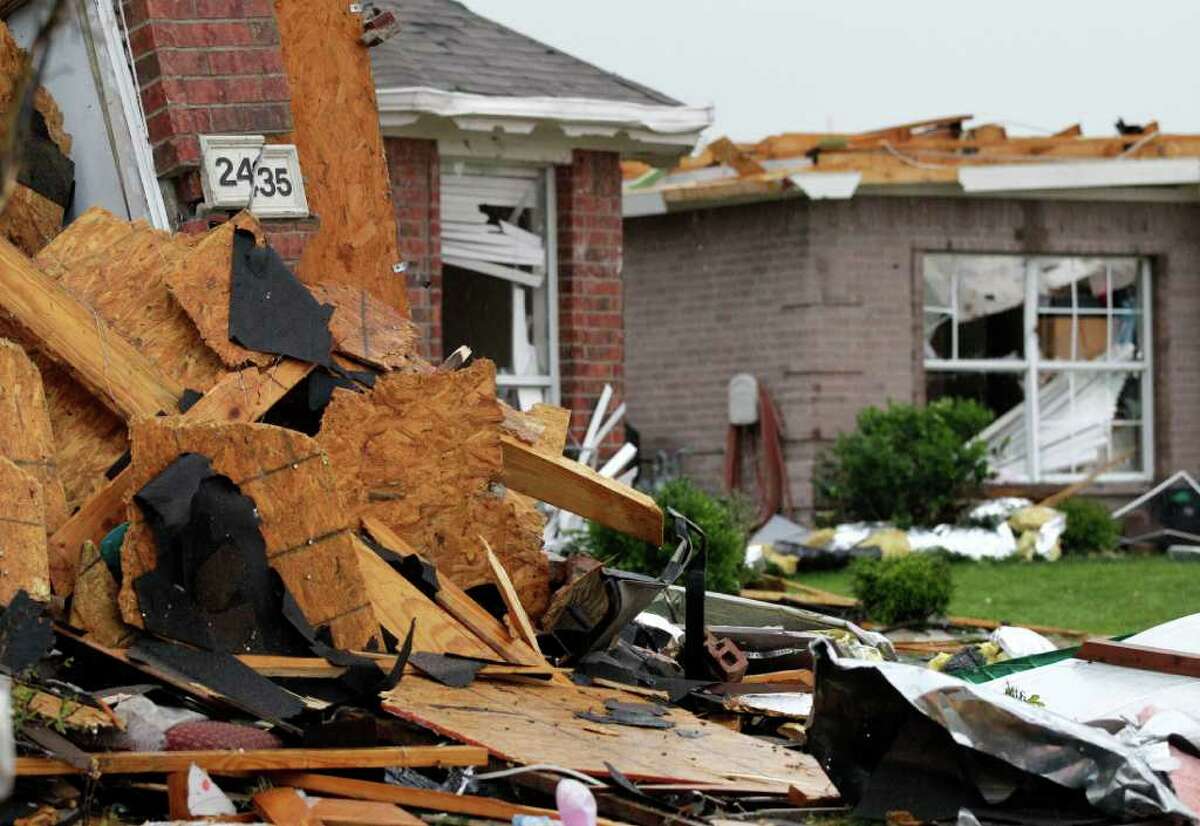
(210, 67)
(591, 325)
(416, 198)
(820, 300)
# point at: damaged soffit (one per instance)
(943, 156)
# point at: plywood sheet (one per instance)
(201, 281)
(30, 220)
(94, 601)
(422, 454)
(533, 724)
(26, 438)
(88, 436)
(24, 565)
(13, 63)
(366, 329)
(305, 524)
(119, 269)
(336, 131)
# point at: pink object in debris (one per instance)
(576, 806)
(211, 735)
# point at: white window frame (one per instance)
(1032, 364)
(550, 381)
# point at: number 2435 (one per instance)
(271, 180)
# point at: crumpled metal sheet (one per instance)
(1112, 773)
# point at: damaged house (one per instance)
(1053, 279)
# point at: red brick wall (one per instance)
(821, 300)
(206, 66)
(416, 197)
(591, 326)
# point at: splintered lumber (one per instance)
(543, 427)
(421, 453)
(238, 397)
(398, 603)
(330, 71)
(94, 601)
(577, 488)
(24, 565)
(110, 367)
(536, 724)
(304, 523)
(201, 282)
(273, 665)
(118, 269)
(1143, 657)
(333, 812)
(428, 799)
(459, 605)
(162, 762)
(508, 593)
(366, 329)
(26, 438)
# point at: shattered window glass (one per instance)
(1090, 313)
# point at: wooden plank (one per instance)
(537, 724)
(285, 807)
(458, 604)
(334, 812)
(513, 602)
(398, 602)
(581, 490)
(238, 397)
(992, 625)
(727, 152)
(366, 329)
(793, 675)
(434, 801)
(1142, 657)
(265, 760)
(104, 362)
(272, 665)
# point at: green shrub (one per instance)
(725, 522)
(1089, 527)
(902, 588)
(906, 465)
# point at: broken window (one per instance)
(1058, 348)
(498, 274)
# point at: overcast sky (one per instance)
(772, 66)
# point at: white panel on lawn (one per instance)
(479, 225)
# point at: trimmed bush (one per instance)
(906, 465)
(1089, 527)
(725, 522)
(903, 588)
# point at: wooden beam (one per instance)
(335, 812)
(165, 762)
(1142, 657)
(271, 665)
(455, 602)
(243, 396)
(462, 804)
(74, 336)
(512, 600)
(577, 488)
(285, 807)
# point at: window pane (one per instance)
(991, 307)
(938, 336)
(1002, 393)
(1076, 417)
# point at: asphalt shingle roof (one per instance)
(444, 45)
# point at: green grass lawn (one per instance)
(1101, 595)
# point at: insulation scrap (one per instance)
(423, 454)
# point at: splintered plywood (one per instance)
(94, 601)
(119, 269)
(26, 438)
(30, 220)
(366, 329)
(303, 521)
(421, 453)
(88, 436)
(536, 724)
(336, 131)
(24, 565)
(201, 283)
(14, 62)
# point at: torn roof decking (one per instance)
(935, 152)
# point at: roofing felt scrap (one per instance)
(303, 518)
(26, 437)
(25, 565)
(26, 633)
(422, 453)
